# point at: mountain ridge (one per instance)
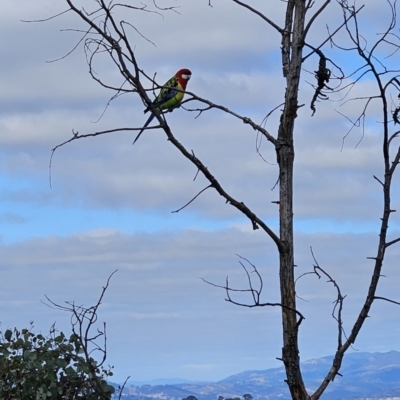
(364, 376)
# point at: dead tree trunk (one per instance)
(292, 46)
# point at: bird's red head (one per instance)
(183, 76)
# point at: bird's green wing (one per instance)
(170, 95)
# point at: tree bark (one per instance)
(292, 46)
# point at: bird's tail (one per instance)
(144, 127)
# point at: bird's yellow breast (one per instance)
(174, 101)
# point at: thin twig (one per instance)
(193, 199)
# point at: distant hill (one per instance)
(365, 375)
(154, 382)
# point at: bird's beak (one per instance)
(185, 76)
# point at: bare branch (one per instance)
(392, 242)
(395, 162)
(121, 388)
(73, 48)
(379, 180)
(256, 221)
(314, 17)
(194, 198)
(245, 120)
(338, 302)
(255, 293)
(76, 136)
(265, 18)
(47, 19)
(82, 321)
(331, 35)
(386, 299)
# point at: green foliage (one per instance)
(35, 367)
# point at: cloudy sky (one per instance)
(110, 204)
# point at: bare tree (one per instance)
(58, 366)
(89, 342)
(107, 32)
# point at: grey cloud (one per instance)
(108, 172)
(13, 218)
(162, 307)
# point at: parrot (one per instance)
(170, 96)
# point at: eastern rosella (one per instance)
(170, 95)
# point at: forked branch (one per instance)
(254, 289)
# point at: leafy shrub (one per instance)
(35, 367)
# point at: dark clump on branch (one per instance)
(322, 75)
(396, 113)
